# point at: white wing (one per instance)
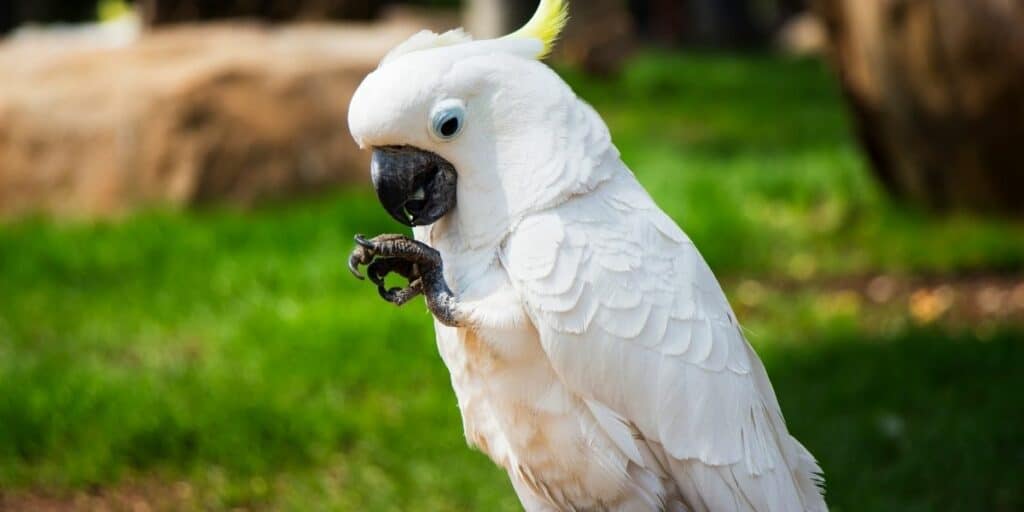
(632, 318)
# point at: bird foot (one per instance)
(419, 263)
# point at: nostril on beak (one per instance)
(417, 202)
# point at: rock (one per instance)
(181, 116)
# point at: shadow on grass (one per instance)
(924, 421)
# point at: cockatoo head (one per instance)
(453, 121)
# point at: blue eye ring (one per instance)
(448, 119)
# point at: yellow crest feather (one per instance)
(546, 24)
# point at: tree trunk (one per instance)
(164, 12)
(936, 90)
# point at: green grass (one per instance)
(238, 344)
(233, 351)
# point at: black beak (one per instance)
(416, 187)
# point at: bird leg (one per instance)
(411, 259)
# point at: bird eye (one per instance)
(448, 119)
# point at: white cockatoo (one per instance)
(592, 351)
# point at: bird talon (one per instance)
(391, 254)
(364, 243)
(397, 296)
(377, 278)
(353, 267)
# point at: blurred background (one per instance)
(178, 193)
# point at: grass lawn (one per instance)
(221, 359)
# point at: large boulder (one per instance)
(97, 125)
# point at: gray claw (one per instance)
(376, 278)
(363, 242)
(353, 267)
(399, 296)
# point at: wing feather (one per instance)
(635, 322)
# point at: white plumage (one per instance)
(597, 358)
